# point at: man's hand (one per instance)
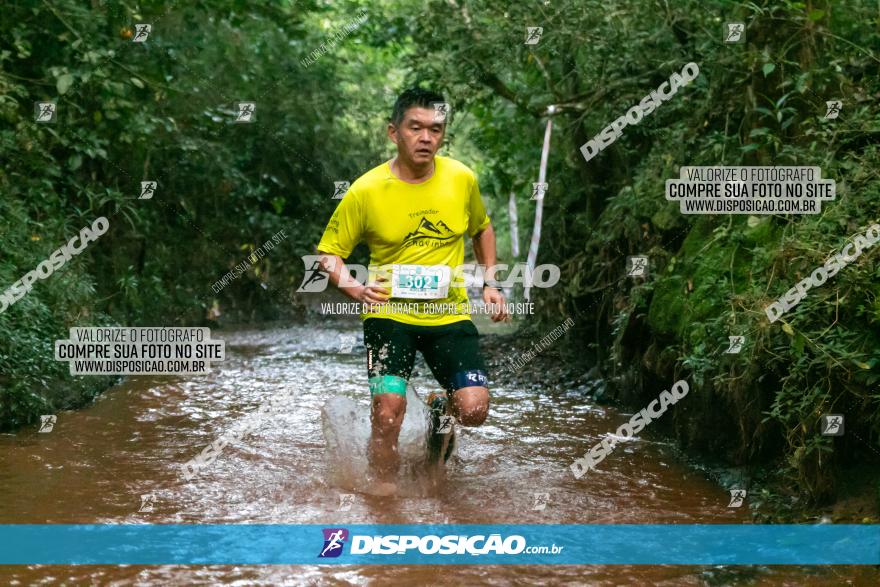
(373, 293)
(495, 300)
(484, 250)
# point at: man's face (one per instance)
(419, 136)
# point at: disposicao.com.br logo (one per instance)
(450, 544)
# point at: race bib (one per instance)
(421, 282)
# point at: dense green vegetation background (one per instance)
(163, 110)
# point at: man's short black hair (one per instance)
(413, 98)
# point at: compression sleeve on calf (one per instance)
(387, 384)
(472, 378)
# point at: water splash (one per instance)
(346, 426)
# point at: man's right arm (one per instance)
(341, 277)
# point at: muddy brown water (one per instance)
(97, 462)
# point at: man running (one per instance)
(413, 213)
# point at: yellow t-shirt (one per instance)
(411, 223)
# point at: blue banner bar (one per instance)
(241, 544)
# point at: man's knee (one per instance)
(471, 405)
(388, 411)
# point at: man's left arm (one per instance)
(484, 249)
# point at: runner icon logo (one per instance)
(737, 497)
(533, 34)
(734, 32)
(334, 539)
(339, 189)
(345, 501)
(832, 425)
(47, 423)
(246, 112)
(441, 111)
(541, 500)
(142, 32)
(736, 344)
(148, 188)
(446, 423)
(636, 266)
(44, 111)
(147, 502)
(834, 107)
(346, 343)
(314, 279)
(538, 190)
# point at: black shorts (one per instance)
(452, 352)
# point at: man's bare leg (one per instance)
(386, 417)
(470, 405)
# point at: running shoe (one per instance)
(441, 429)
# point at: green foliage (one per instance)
(163, 110)
(759, 103)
